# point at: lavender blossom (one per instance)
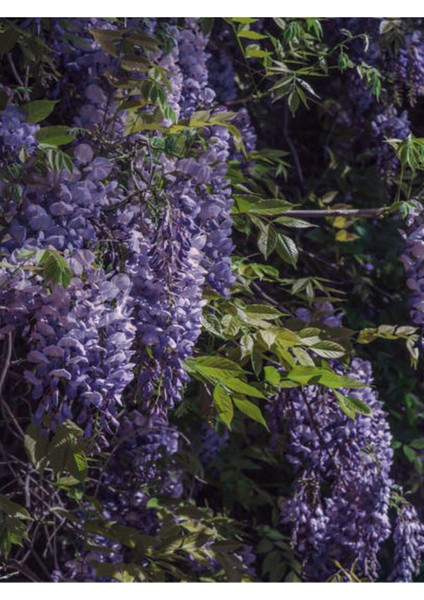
(222, 76)
(193, 58)
(389, 125)
(409, 68)
(343, 485)
(168, 284)
(80, 358)
(15, 133)
(413, 262)
(409, 544)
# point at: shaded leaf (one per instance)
(250, 410)
(38, 110)
(350, 406)
(223, 405)
(236, 385)
(56, 135)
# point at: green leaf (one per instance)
(292, 222)
(224, 405)
(257, 362)
(254, 51)
(200, 118)
(107, 39)
(328, 349)
(55, 268)
(418, 444)
(293, 101)
(215, 367)
(77, 465)
(123, 572)
(38, 110)
(12, 509)
(250, 35)
(350, 406)
(236, 385)
(58, 160)
(305, 375)
(56, 135)
(243, 20)
(388, 332)
(250, 410)
(262, 311)
(287, 250)
(65, 451)
(255, 206)
(303, 357)
(36, 445)
(246, 345)
(267, 240)
(272, 375)
(8, 39)
(409, 453)
(231, 325)
(268, 337)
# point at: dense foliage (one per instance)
(211, 299)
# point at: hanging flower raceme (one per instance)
(409, 68)
(413, 262)
(389, 125)
(408, 538)
(209, 168)
(16, 133)
(339, 511)
(80, 357)
(169, 308)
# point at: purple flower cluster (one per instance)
(409, 68)
(408, 538)
(209, 169)
(144, 466)
(168, 308)
(174, 253)
(80, 341)
(389, 125)
(15, 132)
(62, 210)
(324, 313)
(222, 76)
(82, 63)
(215, 211)
(212, 443)
(413, 262)
(167, 254)
(193, 58)
(339, 511)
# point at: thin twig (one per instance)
(2, 380)
(16, 75)
(14, 70)
(265, 296)
(293, 150)
(338, 212)
(6, 362)
(13, 564)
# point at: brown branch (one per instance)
(338, 212)
(17, 76)
(3, 375)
